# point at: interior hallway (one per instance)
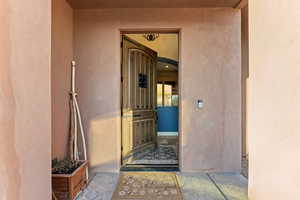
(194, 186)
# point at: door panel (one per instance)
(138, 98)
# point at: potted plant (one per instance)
(68, 178)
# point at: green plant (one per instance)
(65, 166)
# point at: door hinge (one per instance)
(122, 79)
(121, 44)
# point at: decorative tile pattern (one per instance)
(162, 155)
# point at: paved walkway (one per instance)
(195, 186)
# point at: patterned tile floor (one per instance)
(164, 154)
(194, 186)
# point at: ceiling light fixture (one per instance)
(151, 36)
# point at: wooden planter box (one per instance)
(67, 186)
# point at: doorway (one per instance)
(150, 100)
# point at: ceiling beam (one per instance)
(241, 4)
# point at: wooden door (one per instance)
(138, 98)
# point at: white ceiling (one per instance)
(163, 67)
(85, 4)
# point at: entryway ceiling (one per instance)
(85, 4)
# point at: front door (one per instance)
(138, 98)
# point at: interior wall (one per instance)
(273, 99)
(62, 55)
(166, 45)
(25, 107)
(211, 70)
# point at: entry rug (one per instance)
(148, 186)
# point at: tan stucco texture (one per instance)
(273, 99)
(210, 69)
(62, 55)
(25, 101)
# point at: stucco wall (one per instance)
(211, 70)
(62, 55)
(25, 109)
(273, 99)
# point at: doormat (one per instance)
(147, 186)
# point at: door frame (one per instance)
(143, 31)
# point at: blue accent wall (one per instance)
(167, 119)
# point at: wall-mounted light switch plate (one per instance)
(200, 103)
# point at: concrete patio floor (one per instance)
(194, 186)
